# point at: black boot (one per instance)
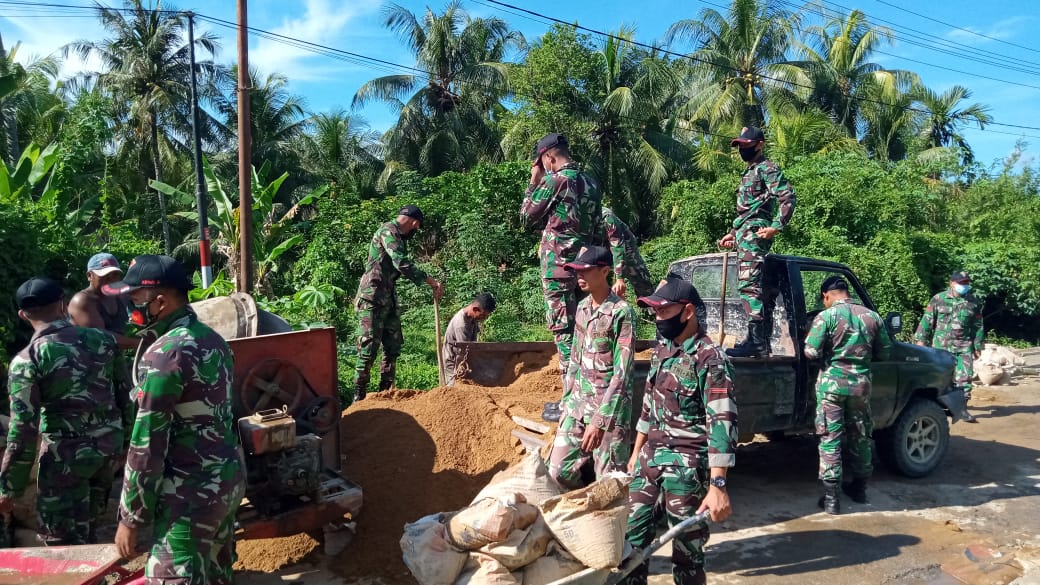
(387, 373)
(830, 501)
(551, 412)
(756, 344)
(857, 490)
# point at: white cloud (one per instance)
(323, 22)
(40, 37)
(1002, 30)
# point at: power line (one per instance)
(953, 26)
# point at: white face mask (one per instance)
(962, 289)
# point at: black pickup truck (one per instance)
(912, 394)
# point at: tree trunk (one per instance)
(157, 166)
(10, 122)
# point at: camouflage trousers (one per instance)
(844, 426)
(561, 303)
(378, 324)
(751, 258)
(677, 491)
(566, 457)
(963, 372)
(73, 483)
(195, 546)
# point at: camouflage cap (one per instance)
(38, 292)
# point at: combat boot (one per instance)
(360, 391)
(830, 500)
(756, 344)
(551, 412)
(387, 373)
(856, 490)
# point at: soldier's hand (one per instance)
(767, 233)
(619, 288)
(921, 343)
(126, 541)
(632, 461)
(438, 288)
(592, 438)
(537, 172)
(727, 241)
(716, 503)
(6, 505)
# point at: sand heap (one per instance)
(416, 453)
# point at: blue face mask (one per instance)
(962, 289)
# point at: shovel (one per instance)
(437, 337)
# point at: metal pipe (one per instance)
(205, 266)
(245, 149)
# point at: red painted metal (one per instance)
(64, 565)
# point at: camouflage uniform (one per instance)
(690, 420)
(848, 336)
(954, 323)
(570, 203)
(63, 389)
(185, 473)
(764, 199)
(597, 391)
(379, 315)
(628, 262)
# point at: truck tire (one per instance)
(917, 442)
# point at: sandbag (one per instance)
(427, 552)
(591, 522)
(530, 477)
(482, 569)
(989, 374)
(489, 520)
(999, 355)
(526, 515)
(523, 546)
(555, 565)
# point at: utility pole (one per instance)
(245, 149)
(205, 266)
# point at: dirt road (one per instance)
(976, 520)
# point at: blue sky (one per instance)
(357, 26)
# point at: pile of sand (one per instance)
(416, 453)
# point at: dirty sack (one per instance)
(482, 569)
(591, 522)
(530, 477)
(488, 520)
(555, 565)
(427, 552)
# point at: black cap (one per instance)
(151, 271)
(834, 283)
(748, 135)
(591, 257)
(412, 211)
(548, 142)
(960, 277)
(38, 292)
(672, 290)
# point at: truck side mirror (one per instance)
(894, 321)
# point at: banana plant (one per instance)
(270, 229)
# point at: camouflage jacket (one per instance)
(63, 386)
(570, 203)
(765, 198)
(184, 450)
(689, 414)
(387, 260)
(847, 337)
(623, 245)
(598, 384)
(952, 323)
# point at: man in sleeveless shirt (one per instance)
(90, 308)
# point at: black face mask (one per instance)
(748, 154)
(671, 328)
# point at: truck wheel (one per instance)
(917, 442)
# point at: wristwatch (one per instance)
(719, 482)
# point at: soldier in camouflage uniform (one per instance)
(765, 205)
(847, 337)
(686, 434)
(185, 474)
(597, 392)
(628, 262)
(63, 390)
(952, 322)
(569, 202)
(379, 314)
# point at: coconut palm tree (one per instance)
(341, 150)
(146, 70)
(836, 60)
(941, 126)
(446, 108)
(743, 52)
(29, 111)
(889, 117)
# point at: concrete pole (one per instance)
(245, 150)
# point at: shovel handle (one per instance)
(437, 340)
(722, 298)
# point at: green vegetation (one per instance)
(886, 181)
